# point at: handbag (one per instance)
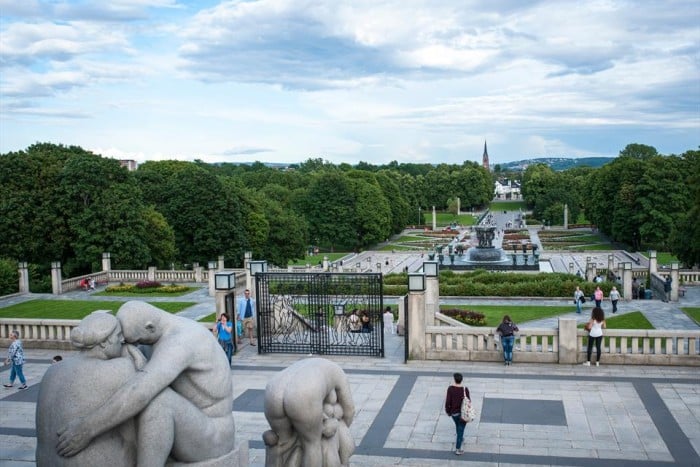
(467, 411)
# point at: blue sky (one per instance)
(349, 81)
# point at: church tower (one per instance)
(485, 160)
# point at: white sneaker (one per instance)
(597, 363)
(586, 363)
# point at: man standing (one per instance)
(246, 314)
(667, 289)
(614, 297)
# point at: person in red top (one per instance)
(453, 405)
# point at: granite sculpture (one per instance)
(309, 408)
(179, 402)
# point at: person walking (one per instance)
(224, 333)
(15, 356)
(595, 328)
(598, 297)
(614, 297)
(388, 318)
(578, 299)
(453, 407)
(635, 288)
(246, 313)
(507, 330)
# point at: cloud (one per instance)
(244, 151)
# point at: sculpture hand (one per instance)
(73, 438)
(136, 356)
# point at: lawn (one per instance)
(314, 260)
(519, 314)
(444, 219)
(693, 313)
(75, 309)
(633, 320)
(665, 258)
(145, 294)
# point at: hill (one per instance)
(557, 163)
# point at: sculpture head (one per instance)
(140, 322)
(100, 331)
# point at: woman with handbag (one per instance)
(507, 330)
(595, 334)
(453, 406)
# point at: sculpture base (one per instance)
(237, 458)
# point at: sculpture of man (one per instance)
(183, 395)
(78, 386)
(309, 408)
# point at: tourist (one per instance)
(388, 320)
(366, 322)
(667, 289)
(507, 330)
(595, 334)
(91, 284)
(354, 322)
(614, 297)
(635, 288)
(224, 335)
(15, 356)
(579, 299)
(453, 407)
(598, 296)
(246, 313)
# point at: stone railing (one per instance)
(688, 277)
(74, 282)
(128, 276)
(532, 345)
(42, 333)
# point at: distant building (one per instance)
(485, 158)
(130, 164)
(507, 189)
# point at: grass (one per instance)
(633, 320)
(313, 260)
(507, 205)
(75, 309)
(444, 219)
(145, 294)
(519, 314)
(208, 319)
(665, 258)
(693, 313)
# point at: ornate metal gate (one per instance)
(313, 313)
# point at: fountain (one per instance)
(485, 252)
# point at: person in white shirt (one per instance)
(595, 334)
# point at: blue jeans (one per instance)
(578, 306)
(507, 342)
(460, 425)
(228, 348)
(16, 372)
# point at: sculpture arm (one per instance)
(130, 399)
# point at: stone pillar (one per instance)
(566, 216)
(106, 262)
(611, 263)
(591, 271)
(23, 277)
(432, 299)
(458, 205)
(627, 281)
(247, 258)
(198, 272)
(221, 263)
(675, 277)
(400, 325)
(326, 264)
(56, 286)
(151, 273)
(220, 301)
(434, 219)
(212, 272)
(416, 326)
(652, 262)
(568, 343)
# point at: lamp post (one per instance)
(420, 219)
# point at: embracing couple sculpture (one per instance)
(111, 404)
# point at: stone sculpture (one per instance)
(309, 408)
(180, 401)
(78, 385)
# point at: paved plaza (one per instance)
(529, 414)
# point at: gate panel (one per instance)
(310, 313)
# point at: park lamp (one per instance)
(416, 282)
(339, 308)
(431, 268)
(256, 267)
(212, 265)
(224, 280)
(22, 265)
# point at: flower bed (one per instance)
(146, 287)
(472, 318)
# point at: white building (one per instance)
(507, 189)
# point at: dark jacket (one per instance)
(453, 400)
(507, 328)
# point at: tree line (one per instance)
(642, 199)
(63, 203)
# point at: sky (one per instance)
(347, 81)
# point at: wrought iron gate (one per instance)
(313, 313)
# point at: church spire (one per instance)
(485, 159)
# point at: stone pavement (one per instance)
(529, 414)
